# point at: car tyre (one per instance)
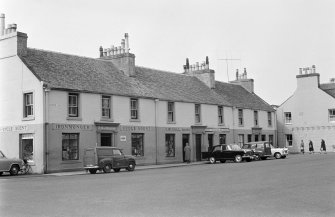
(92, 171)
(212, 160)
(238, 158)
(14, 170)
(277, 155)
(116, 170)
(131, 166)
(107, 168)
(222, 161)
(257, 157)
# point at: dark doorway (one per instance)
(210, 141)
(186, 139)
(106, 139)
(198, 147)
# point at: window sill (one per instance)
(171, 122)
(107, 119)
(74, 119)
(28, 118)
(135, 120)
(221, 125)
(71, 162)
(288, 123)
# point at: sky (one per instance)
(272, 39)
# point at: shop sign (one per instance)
(176, 129)
(136, 128)
(106, 128)
(123, 138)
(13, 128)
(72, 127)
(217, 130)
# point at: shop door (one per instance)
(106, 139)
(186, 138)
(210, 142)
(198, 147)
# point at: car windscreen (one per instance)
(235, 147)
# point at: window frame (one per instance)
(171, 113)
(288, 142)
(269, 119)
(134, 109)
(331, 115)
(77, 145)
(197, 113)
(240, 117)
(75, 106)
(220, 115)
(287, 120)
(168, 137)
(256, 120)
(31, 105)
(108, 109)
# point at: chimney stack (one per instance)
(2, 24)
(126, 42)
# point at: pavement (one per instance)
(84, 172)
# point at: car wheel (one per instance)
(107, 168)
(116, 170)
(277, 155)
(257, 157)
(222, 161)
(212, 160)
(14, 170)
(93, 171)
(238, 158)
(131, 166)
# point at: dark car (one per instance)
(227, 152)
(262, 149)
(11, 165)
(106, 159)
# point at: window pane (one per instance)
(137, 144)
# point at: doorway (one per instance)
(210, 141)
(198, 147)
(186, 139)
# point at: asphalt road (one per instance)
(296, 186)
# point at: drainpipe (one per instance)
(233, 108)
(156, 130)
(45, 124)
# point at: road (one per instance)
(296, 186)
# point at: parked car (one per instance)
(262, 149)
(11, 165)
(227, 152)
(106, 159)
(279, 152)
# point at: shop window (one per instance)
(137, 144)
(106, 107)
(269, 119)
(27, 147)
(134, 109)
(70, 146)
(256, 138)
(249, 137)
(222, 139)
(331, 113)
(240, 117)
(73, 105)
(170, 145)
(288, 117)
(28, 105)
(220, 115)
(263, 137)
(289, 139)
(171, 112)
(197, 113)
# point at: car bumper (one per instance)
(248, 157)
(90, 167)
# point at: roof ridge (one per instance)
(160, 70)
(57, 52)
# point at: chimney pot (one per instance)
(101, 51)
(2, 24)
(126, 42)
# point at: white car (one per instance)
(279, 152)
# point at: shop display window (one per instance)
(170, 145)
(137, 144)
(70, 146)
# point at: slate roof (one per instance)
(328, 88)
(240, 97)
(70, 72)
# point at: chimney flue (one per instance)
(313, 69)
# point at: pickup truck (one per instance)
(106, 159)
(227, 152)
(279, 152)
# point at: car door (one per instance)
(225, 153)
(4, 163)
(267, 148)
(118, 159)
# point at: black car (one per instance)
(262, 149)
(228, 152)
